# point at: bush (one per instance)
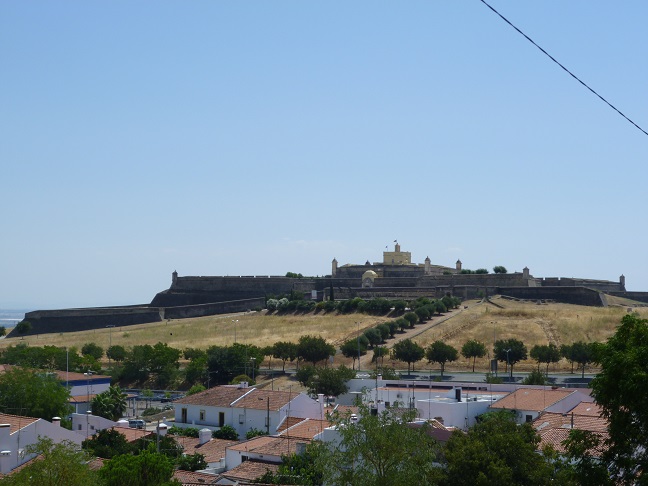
(240, 379)
(499, 269)
(536, 377)
(329, 306)
(192, 462)
(252, 433)
(491, 378)
(481, 271)
(188, 432)
(399, 306)
(272, 304)
(23, 327)
(411, 318)
(3, 330)
(226, 432)
(196, 389)
(151, 411)
(92, 349)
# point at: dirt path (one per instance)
(365, 361)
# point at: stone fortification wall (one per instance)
(205, 290)
(214, 308)
(601, 285)
(638, 296)
(568, 295)
(71, 320)
(477, 280)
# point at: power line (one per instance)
(564, 68)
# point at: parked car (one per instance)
(136, 424)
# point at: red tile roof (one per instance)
(532, 399)
(16, 422)
(188, 478)
(306, 429)
(270, 446)
(214, 450)
(554, 428)
(218, 396)
(249, 471)
(261, 399)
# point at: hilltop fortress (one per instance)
(395, 277)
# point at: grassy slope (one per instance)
(531, 323)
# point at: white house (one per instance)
(244, 408)
(17, 432)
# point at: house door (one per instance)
(184, 416)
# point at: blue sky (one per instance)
(242, 138)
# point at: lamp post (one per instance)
(110, 328)
(235, 321)
(507, 362)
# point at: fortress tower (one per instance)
(397, 257)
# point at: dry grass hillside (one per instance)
(529, 322)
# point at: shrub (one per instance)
(188, 432)
(252, 433)
(272, 304)
(411, 318)
(226, 432)
(23, 327)
(151, 411)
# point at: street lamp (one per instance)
(235, 321)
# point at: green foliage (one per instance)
(496, 451)
(535, 378)
(473, 349)
(544, 353)
(619, 389)
(241, 379)
(107, 443)
(379, 450)
(314, 349)
(582, 449)
(46, 357)
(299, 469)
(385, 331)
(402, 323)
(62, 463)
(439, 352)
(226, 432)
(379, 353)
(3, 331)
(92, 349)
(510, 351)
(196, 370)
(196, 389)
(387, 372)
(399, 306)
(184, 432)
(491, 378)
(393, 327)
(304, 374)
(110, 404)
(411, 317)
(23, 327)
(116, 353)
(481, 271)
(352, 348)
(33, 394)
(294, 275)
(373, 335)
(252, 433)
(226, 362)
(285, 351)
(409, 352)
(145, 469)
(423, 314)
(191, 462)
(499, 269)
(584, 354)
(151, 411)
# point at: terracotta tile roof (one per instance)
(554, 428)
(218, 396)
(306, 429)
(16, 422)
(289, 422)
(249, 470)
(585, 408)
(214, 450)
(259, 399)
(188, 478)
(270, 446)
(63, 375)
(531, 399)
(132, 434)
(96, 463)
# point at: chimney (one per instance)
(56, 421)
(204, 436)
(162, 429)
(320, 399)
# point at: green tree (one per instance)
(535, 378)
(584, 354)
(440, 352)
(116, 352)
(402, 323)
(145, 469)
(409, 352)
(285, 351)
(314, 349)
(33, 394)
(196, 370)
(385, 331)
(379, 450)
(510, 351)
(330, 381)
(226, 432)
(544, 353)
(411, 317)
(196, 389)
(473, 349)
(110, 404)
(566, 351)
(496, 451)
(499, 269)
(92, 349)
(422, 313)
(3, 331)
(374, 336)
(192, 462)
(379, 353)
(619, 388)
(481, 271)
(352, 349)
(23, 327)
(107, 443)
(59, 464)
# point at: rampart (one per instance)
(70, 320)
(638, 296)
(568, 295)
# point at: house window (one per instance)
(79, 426)
(244, 458)
(221, 419)
(529, 418)
(241, 418)
(202, 415)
